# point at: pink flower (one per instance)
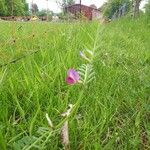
(72, 77)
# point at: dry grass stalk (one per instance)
(49, 121)
(65, 129)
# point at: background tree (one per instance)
(15, 7)
(136, 7)
(34, 9)
(113, 6)
(147, 8)
(45, 13)
(3, 8)
(70, 2)
(93, 6)
(65, 3)
(26, 7)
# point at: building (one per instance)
(88, 12)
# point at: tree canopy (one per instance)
(113, 5)
(13, 7)
(34, 8)
(147, 8)
(65, 3)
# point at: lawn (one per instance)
(111, 112)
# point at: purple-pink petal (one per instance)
(72, 76)
(70, 80)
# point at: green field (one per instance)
(112, 112)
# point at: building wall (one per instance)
(86, 11)
(96, 15)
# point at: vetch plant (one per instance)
(86, 73)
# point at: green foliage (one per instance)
(66, 16)
(39, 142)
(147, 8)
(2, 141)
(87, 74)
(65, 3)
(71, 2)
(113, 5)
(26, 9)
(44, 13)
(3, 8)
(24, 143)
(15, 7)
(68, 2)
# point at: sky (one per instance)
(52, 5)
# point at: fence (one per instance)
(22, 18)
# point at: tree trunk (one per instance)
(12, 8)
(136, 8)
(80, 7)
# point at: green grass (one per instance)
(114, 109)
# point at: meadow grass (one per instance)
(111, 113)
